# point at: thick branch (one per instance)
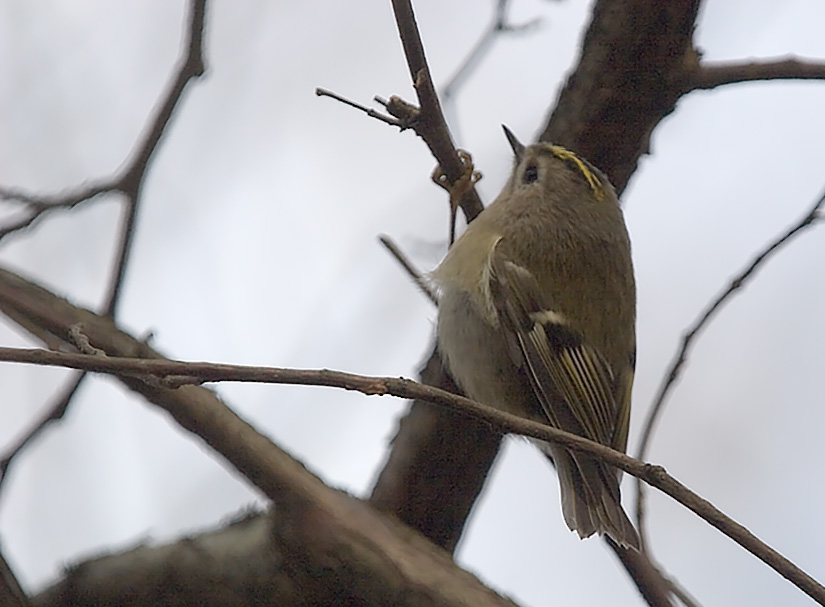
(11, 594)
(437, 454)
(432, 440)
(341, 550)
(626, 81)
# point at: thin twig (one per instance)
(37, 207)
(133, 177)
(413, 272)
(712, 75)
(406, 388)
(130, 180)
(498, 25)
(54, 413)
(428, 120)
(371, 112)
(677, 364)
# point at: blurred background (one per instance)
(257, 244)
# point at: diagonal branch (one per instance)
(423, 464)
(498, 25)
(813, 216)
(53, 413)
(134, 373)
(371, 112)
(131, 181)
(427, 120)
(36, 207)
(146, 372)
(416, 276)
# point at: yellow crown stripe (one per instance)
(595, 183)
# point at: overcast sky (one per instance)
(257, 244)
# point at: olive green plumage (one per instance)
(537, 313)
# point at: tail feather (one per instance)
(590, 498)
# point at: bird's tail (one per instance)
(590, 498)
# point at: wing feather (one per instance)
(557, 359)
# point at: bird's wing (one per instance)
(573, 382)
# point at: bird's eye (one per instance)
(531, 174)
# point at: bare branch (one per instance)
(626, 81)
(317, 524)
(498, 25)
(812, 217)
(37, 207)
(428, 120)
(371, 112)
(711, 75)
(218, 426)
(416, 276)
(431, 125)
(54, 413)
(128, 183)
(407, 388)
(132, 179)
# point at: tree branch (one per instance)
(371, 112)
(339, 550)
(711, 75)
(128, 183)
(626, 81)
(431, 125)
(11, 594)
(498, 25)
(38, 206)
(416, 276)
(53, 413)
(131, 181)
(813, 216)
(614, 98)
(436, 453)
(242, 446)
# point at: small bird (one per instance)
(537, 314)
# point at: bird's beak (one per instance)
(518, 146)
